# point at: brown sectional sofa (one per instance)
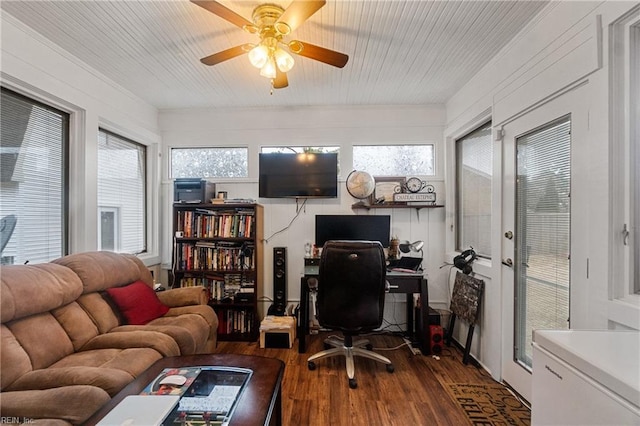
(65, 349)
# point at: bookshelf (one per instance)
(219, 246)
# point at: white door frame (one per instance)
(569, 102)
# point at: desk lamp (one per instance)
(407, 247)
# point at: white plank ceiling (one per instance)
(401, 52)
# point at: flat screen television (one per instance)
(298, 175)
(353, 227)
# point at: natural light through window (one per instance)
(394, 160)
(217, 162)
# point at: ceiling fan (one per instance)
(271, 23)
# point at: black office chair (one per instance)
(351, 292)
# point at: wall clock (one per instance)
(414, 184)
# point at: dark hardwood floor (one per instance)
(412, 395)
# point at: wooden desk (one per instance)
(259, 404)
(399, 282)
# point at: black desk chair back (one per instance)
(351, 293)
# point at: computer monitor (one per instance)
(353, 227)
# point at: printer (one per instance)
(190, 190)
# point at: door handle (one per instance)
(508, 262)
(508, 235)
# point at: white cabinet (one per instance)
(586, 377)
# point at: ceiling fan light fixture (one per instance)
(269, 69)
(282, 27)
(259, 56)
(296, 46)
(284, 60)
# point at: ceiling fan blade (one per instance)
(318, 53)
(281, 81)
(225, 55)
(223, 12)
(297, 12)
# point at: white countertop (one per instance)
(610, 357)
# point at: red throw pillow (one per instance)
(138, 303)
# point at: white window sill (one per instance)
(625, 311)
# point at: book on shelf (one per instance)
(205, 223)
(232, 321)
(214, 256)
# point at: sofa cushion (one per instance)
(100, 270)
(138, 303)
(13, 358)
(74, 404)
(77, 323)
(31, 289)
(100, 310)
(196, 325)
(131, 360)
(43, 339)
(180, 335)
(143, 337)
(111, 380)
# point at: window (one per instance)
(635, 157)
(625, 157)
(474, 170)
(394, 160)
(122, 194)
(299, 149)
(34, 141)
(108, 230)
(216, 162)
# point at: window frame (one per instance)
(149, 243)
(117, 231)
(456, 141)
(67, 136)
(624, 298)
(433, 145)
(218, 179)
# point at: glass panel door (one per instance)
(538, 163)
(541, 264)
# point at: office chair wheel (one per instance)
(390, 368)
(353, 384)
(311, 365)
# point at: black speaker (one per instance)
(279, 280)
(435, 339)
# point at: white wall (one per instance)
(338, 126)
(565, 46)
(33, 66)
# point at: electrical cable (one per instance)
(266, 240)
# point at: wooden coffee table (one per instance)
(259, 404)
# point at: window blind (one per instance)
(122, 192)
(474, 170)
(542, 231)
(33, 152)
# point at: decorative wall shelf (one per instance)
(357, 206)
(363, 206)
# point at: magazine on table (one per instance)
(208, 394)
(172, 381)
